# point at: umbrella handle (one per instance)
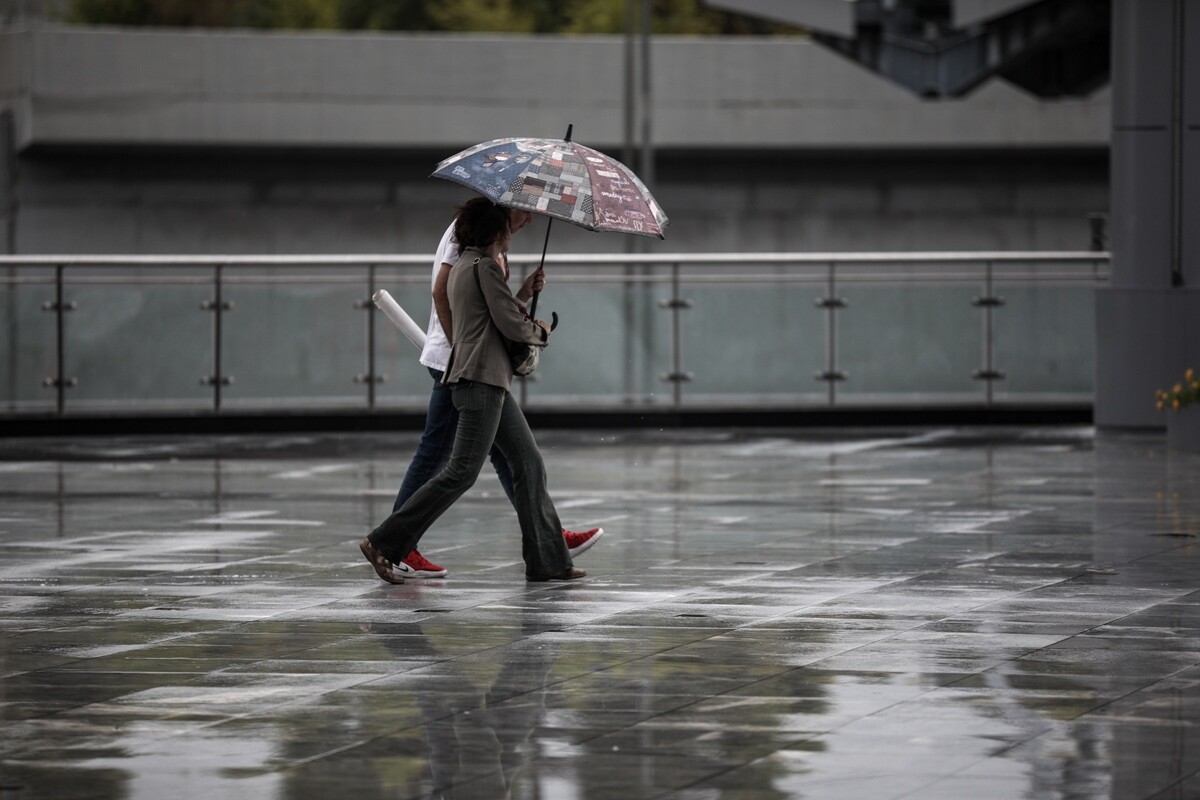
(533, 310)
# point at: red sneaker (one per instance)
(416, 565)
(579, 543)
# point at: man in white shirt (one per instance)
(441, 419)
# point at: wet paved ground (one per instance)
(927, 614)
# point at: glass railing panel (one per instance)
(296, 338)
(134, 341)
(612, 343)
(753, 343)
(908, 343)
(29, 355)
(1044, 342)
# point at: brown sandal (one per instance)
(383, 567)
(568, 574)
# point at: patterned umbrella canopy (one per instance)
(561, 179)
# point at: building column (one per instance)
(8, 184)
(1148, 318)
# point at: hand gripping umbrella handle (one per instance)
(533, 305)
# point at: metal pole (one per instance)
(646, 169)
(831, 352)
(218, 307)
(628, 349)
(647, 166)
(676, 339)
(60, 336)
(676, 305)
(831, 303)
(370, 306)
(1177, 126)
(630, 120)
(60, 307)
(217, 377)
(629, 303)
(9, 205)
(988, 362)
(989, 302)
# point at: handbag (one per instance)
(523, 357)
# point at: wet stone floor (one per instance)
(930, 614)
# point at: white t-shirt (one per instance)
(436, 354)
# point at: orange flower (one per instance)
(1181, 395)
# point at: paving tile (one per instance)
(925, 614)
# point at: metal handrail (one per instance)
(569, 259)
(828, 269)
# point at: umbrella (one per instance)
(560, 179)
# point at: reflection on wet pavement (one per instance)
(992, 613)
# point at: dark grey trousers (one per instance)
(487, 415)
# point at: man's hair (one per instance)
(479, 223)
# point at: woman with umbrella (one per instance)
(480, 373)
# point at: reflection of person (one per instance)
(485, 313)
(440, 418)
(478, 732)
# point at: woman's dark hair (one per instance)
(480, 222)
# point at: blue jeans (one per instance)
(487, 415)
(437, 442)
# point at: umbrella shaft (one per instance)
(542, 263)
(546, 244)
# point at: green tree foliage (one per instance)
(499, 16)
(680, 17)
(318, 14)
(596, 16)
(375, 15)
(207, 13)
(217, 13)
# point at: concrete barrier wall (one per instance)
(151, 141)
(101, 202)
(95, 86)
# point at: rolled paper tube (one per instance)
(392, 310)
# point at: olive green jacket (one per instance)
(483, 321)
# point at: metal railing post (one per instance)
(677, 376)
(60, 329)
(371, 338)
(218, 306)
(60, 308)
(831, 303)
(989, 301)
(371, 377)
(628, 351)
